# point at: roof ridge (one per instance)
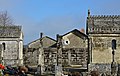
(73, 31)
(42, 38)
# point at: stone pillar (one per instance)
(88, 12)
(41, 54)
(59, 56)
(90, 49)
(41, 59)
(20, 53)
(18, 57)
(1, 54)
(20, 42)
(69, 57)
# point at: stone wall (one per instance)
(10, 52)
(101, 68)
(75, 56)
(31, 57)
(102, 49)
(75, 50)
(73, 41)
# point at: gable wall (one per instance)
(46, 43)
(73, 41)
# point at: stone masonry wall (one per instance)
(10, 53)
(102, 51)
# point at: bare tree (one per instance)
(5, 19)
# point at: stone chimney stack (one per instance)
(41, 35)
(59, 42)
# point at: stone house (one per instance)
(69, 50)
(11, 42)
(36, 48)
(75, 51)
(102, 30)
(41, 52)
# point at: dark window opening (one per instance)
(113, 44)
(67, 42)
(3, 46)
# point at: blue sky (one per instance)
(55, 16)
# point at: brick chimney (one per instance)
(82, 30)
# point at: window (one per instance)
(67, 42)
(113, 44)
(3, 46)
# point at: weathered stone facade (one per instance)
(30, 56)
(75, 50)
(35, 48)
(68, 51)
(101, 31)
(11, 39)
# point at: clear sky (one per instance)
(55, 16)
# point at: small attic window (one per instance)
(67, 42)
(3, 46)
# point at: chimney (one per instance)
(57, 36)
(82, 30)
(41, 35)
(59, 42)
